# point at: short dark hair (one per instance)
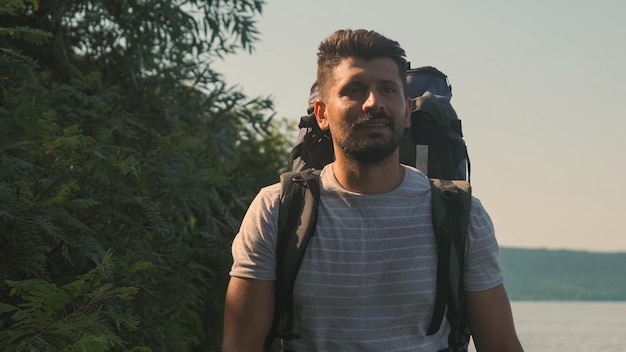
(358, 43)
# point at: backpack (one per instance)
(440, 149)
(314, 147)
(434, 142)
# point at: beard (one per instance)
(375, 148)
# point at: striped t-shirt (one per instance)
(367, 281)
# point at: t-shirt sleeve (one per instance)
(254, 246)
(482, 269)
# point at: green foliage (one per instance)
(13, 6)
(116, 138)
(26, 34)
(83, 315)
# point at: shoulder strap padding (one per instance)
(451, 205)
(297, 217)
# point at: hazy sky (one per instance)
(539, 85)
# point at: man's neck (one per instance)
(372, 179)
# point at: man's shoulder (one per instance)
(271, 189)
(415, 179)
(411, 170)
(267, 198)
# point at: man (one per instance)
(367, 281)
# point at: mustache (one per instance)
(368, 116)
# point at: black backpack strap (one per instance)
(451, 201)
(451, 204)
(297, 217)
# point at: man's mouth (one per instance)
(375, 123)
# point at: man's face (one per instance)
(365, 109)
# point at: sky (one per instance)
(540, 87)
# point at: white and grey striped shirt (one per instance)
(367, 281)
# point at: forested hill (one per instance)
(541, 274)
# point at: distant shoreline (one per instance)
(563, 275)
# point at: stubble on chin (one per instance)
(371, 150)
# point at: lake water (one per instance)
(570, 326)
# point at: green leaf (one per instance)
(81, 204)
(7, 308)
(27, 34)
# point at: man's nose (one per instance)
(372, 102)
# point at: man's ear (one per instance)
(407, 113)
(319, 108)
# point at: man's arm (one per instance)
(491, 321)
(248, 314)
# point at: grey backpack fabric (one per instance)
(434, 142)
